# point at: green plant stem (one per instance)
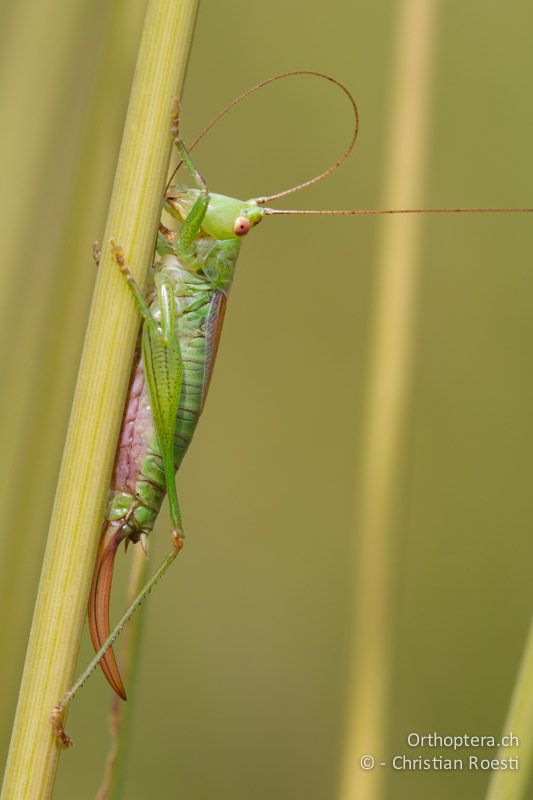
(97, 408)
(512, 784)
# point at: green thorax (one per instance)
(222, 213)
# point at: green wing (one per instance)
(163, 369)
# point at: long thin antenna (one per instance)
(335, 165)
(375, 212)
(294, 73)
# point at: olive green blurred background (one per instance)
(245, 663)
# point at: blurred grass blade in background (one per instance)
(386, 410)
(513, 784)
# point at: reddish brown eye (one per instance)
(242, 226)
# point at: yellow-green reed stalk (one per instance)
(388, 390)
(97, 408)
(513, 784)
